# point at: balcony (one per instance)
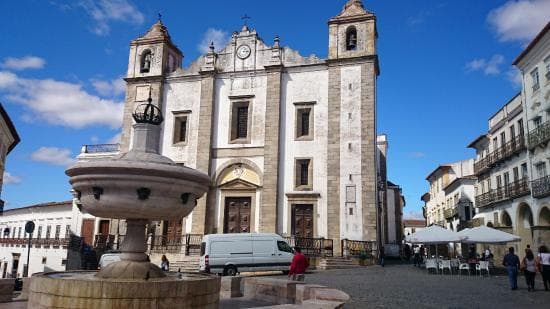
(515, 146)
(450, 213)
(540, 135)
(541, 187)
(35, 241)
(510, 191)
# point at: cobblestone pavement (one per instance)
(404, 286)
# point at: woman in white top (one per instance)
(543, 262)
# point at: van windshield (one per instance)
(283, 246)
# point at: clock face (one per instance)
(243, 51)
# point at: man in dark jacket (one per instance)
(511, 262)
(298, 266)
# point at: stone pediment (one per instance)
(352, 9)
(238, 184)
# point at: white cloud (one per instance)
(413, 214)
(417, 154)
(61, 103)
(94, 139)
(23, 63)
(115, 139)
(519, 20)
(103, 12)
(218, 36)
(109, 88)
(487, 66)
(54, 156)
(11, 179)
(514, 76)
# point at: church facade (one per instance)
(289, 141)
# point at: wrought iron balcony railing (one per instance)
(450, 213)
(539, 135)
(512, 190)
(541, 187)
(516, 145)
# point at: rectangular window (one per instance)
(304, 123)
(537, 121)
(535, 79)
(506, 179)
(63, 262)
(180, 129)
(350, 194)
(547, 65)
(512, 132)
(44, 260)
(57, 231)
(495, 144)
(240, 122)
(48, 231)
(524, 170)
(499, 181)
(39, 233)
(516, 173)
(67, 230)
(541, 169)
(303, 174)
(19, 232)
(502, 139)
(520, 127)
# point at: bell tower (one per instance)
(152, 57)
(352, 33)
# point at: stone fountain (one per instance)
(139, 185)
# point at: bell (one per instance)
(352, 42)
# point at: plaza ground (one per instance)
(404, 286)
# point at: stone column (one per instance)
(268, 205)
(200, 222)
(333, 156)
(369, 180)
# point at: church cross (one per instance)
(246, 18)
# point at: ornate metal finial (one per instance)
(245, 18)
(211, 47)
(160, 17)
(148, 113)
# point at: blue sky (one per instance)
(445, 68)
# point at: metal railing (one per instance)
(104, 242)
(514, 146)
(539, 135)
(100, 148)
(318, 247)
(515, 189)
(35, 241)
(451, 212)
(358, 248)
(541, 187)
(189, 243)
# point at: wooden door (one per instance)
(104, 227)
(302, 220)
(87, 231)
(174, 229)
(237, 215)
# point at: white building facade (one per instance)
(289, 141)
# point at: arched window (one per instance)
(351, 38)
(146, 58)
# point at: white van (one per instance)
(108, 258)
(229, 254)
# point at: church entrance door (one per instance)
(302, 220)
(174, 229)
(237, 215)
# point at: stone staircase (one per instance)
(185, 264)
(337, 263)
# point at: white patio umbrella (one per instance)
(486, 235)
(434, 234)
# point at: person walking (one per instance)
(164, 263)
(543, 263)
(511, 262)
(416, 258)
(407, 252)
(382, 255)
(529, 267)
(298, 265)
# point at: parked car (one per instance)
(108, 258)
(229, 254)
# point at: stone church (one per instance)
(289, 141)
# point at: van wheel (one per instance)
(230, 270)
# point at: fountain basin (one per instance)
(82, 289)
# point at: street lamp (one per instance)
(29, 228)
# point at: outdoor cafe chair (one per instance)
(463, 266)
(454, 264)
(483, 265)
(431, 264)
(445, 264)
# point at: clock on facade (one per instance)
(243, 51)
